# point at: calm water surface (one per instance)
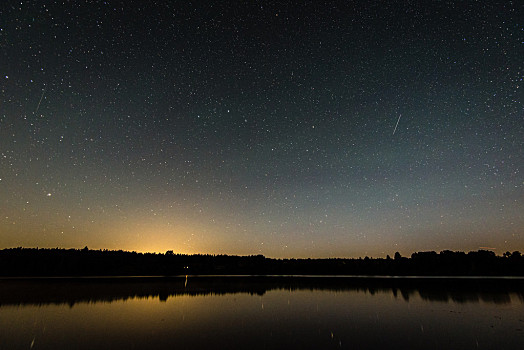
(246, 314)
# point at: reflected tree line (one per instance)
(85, 262)
(75, 290)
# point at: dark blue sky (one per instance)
(262, 127)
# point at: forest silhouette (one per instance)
(35, 262)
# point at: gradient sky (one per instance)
(262, 127)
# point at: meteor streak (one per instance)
(41, 97)
(397, 123)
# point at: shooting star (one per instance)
(397, 123)
(39, 102)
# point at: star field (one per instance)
(262, 127)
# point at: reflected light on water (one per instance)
(215, 315)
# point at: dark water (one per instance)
(261, 313)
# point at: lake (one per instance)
(266, 312)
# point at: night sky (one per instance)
(283, 128)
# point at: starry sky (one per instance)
(283, 128)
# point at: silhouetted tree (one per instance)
(70, 262)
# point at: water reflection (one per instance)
(261, 313)
(76, 290)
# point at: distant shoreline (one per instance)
(34, 262)
(166, 278)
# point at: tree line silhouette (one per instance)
(85, 262)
